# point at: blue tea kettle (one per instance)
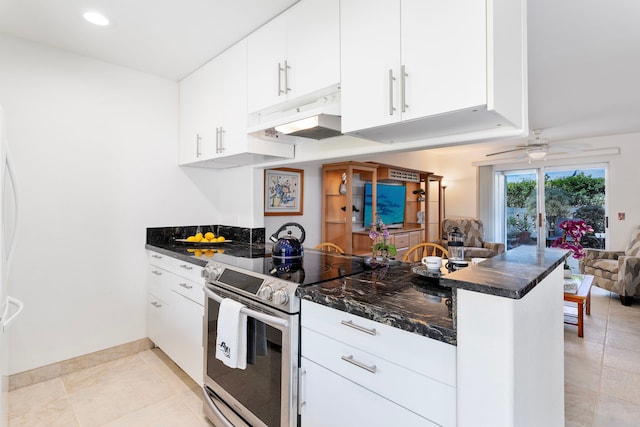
(287, 247)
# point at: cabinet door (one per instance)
(313, 46)
(232, 99)
(185, 346)
(266, 56)
(197, 112)
(370, 49)
(444, 54)
(159, 326)
(355, 406)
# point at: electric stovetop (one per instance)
(313, 267)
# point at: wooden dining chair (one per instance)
(329, 247)
(417, 252)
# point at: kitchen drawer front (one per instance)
(189, 289)
(424, 396)
(182, 268)
(160, 282)
(357, 407)
(428, 357)
(401, 240)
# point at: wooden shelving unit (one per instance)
(337, 226)
(420, 186)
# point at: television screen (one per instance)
(389, 206)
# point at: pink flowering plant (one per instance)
(380, 236)
(574, 230)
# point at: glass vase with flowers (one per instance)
(382, 247)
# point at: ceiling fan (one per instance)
(538, 148)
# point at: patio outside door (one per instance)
(533, 212)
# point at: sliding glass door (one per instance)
(532, 203)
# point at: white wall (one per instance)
(95, 151)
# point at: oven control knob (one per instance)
(280, 297)
(265, 292)
(212, 274)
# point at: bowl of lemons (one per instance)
(206, 238)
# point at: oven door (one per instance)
(266, 392)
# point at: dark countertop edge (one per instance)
(494, 276)
(438, 333)
(176, 255)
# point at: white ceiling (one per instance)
(584, 55)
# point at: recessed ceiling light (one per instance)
(96, 18)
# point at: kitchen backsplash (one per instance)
(166, 235)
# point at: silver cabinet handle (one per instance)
(391, 80)
(156, 272)
(403, 88)
(301, 401)
(156, 304)
(219, 140)
(186, 285)
(280, 70)
(156, 256)
(287, 89)
(350, 324)
(359, 364)
(198, 139)
(186, 267)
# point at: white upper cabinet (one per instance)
(414, 69)
(294, 55)
(213, 116)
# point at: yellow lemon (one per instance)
(220, 239)
(198, 253)
(191, 239)
(209, 253)
(209, 235)
(191, 250)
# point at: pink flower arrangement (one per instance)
(380, 236)
(570, 239)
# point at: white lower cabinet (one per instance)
(175, 312)
(332, 400)
(360, 372)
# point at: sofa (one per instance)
(474, 244)
(616, 271)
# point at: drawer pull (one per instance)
(350, 324)
(156, 272)
(156, 256)
(359, 364)
(186, 267)
(156, 304)
(185, 285)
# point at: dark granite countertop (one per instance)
(511, 274)
(394, 296)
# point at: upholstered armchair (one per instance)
(616, 271)
(474, 244)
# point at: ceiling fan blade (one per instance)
(508, 151)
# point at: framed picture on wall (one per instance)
(283, 191)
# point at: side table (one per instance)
(583, 299)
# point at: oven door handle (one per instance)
(276, 322)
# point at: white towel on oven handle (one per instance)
(231, 337)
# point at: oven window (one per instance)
(258, 386)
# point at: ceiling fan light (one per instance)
(537, 154)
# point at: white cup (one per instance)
(432, 262)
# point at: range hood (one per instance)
(312, 117)
(318, 127)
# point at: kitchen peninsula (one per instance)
(496, 343)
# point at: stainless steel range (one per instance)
(266, 392)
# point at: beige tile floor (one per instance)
(602, 382)
(145, 389)
(602, 370)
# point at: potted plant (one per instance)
(573, 231)
(382, 247)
